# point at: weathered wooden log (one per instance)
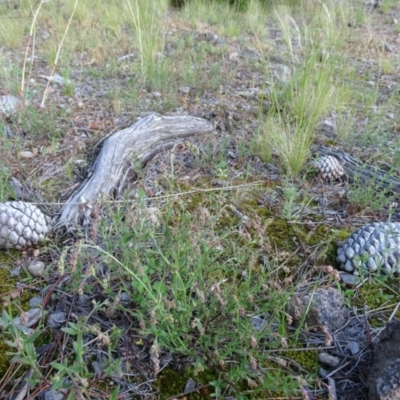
(361, 172)
(142, 141)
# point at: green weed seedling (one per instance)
(372, 196)
(290, 210)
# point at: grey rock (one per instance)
(389, 48)
(329, 360)
(36, 268)
(249, 54)
(353, 347)
(9, 105)
(16, 271)
(35, 301)
(190, 385)
(185, 89)
(125, 298)
(323, 373)
(54, 395)
(324, 307)
(26, 154)
(258, 323)
(56, 319)
(17, 186)
(348, 279)
(383, 381)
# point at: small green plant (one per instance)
(290, 210)
(372, 196)
(68, 85)
(6, 190)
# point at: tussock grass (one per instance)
(147, 19)
(315, 87)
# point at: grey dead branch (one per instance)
(141, 141)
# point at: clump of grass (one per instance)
(198, 13)
(369, 197)
(146, 20)
(314, 88)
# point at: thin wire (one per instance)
(197, 190)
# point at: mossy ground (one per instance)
(280, 235)
(171, 383)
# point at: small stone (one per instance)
(389, 48)
(35, 302)
(185, 89)
(156, 95)
(323, 373)
(36, 268)
(125, 298)
(26, 154)
(56, 319)
(83, 300)
(329, 360)
(332, 388)
(217, 183)
(9, 105)
(54, 395)
(258, 323)
(330, 124)
(325, 307)
(353, 347)
(234, 56)
(231, 154)
(190, 385)
(348, 279)
(17, 186)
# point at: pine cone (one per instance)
(21, 225)
(374, 247)
(329, 168)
